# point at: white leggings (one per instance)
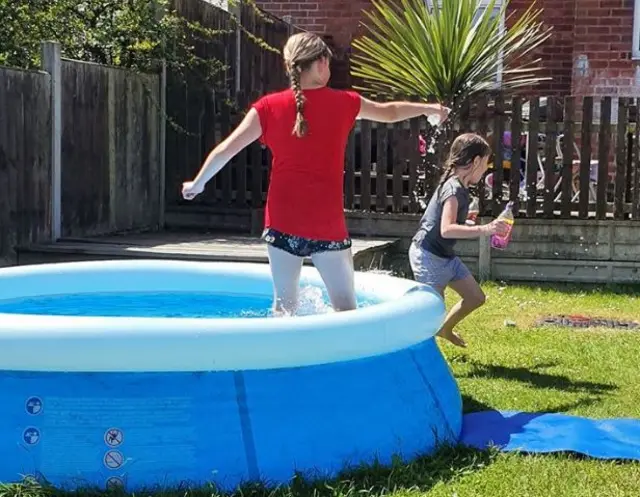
(335, 268)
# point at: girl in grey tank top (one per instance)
(432, 255)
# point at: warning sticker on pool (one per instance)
(113, 459)
(33, 406)
(31, 436)
(114, 483)
(113, 437)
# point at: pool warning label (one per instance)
(33, 406)
(114, 483)
(113, 437)
(113, 459)
(31, 436)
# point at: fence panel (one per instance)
(544, 160)
(25, 160)
(201, 113)
(110, 150)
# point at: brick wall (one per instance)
(557, 52)
(337, 20)
(589, 52)
(602, 49)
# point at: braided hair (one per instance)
(300, 128)
(300, 52)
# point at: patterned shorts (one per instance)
(435, 271)
(302, 247)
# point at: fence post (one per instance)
(162, 144)
(160, 12)
(484, 258)
(111, 155)
(235, 8)
(51, 62)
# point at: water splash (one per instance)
(434, 120)
(426, 147)
(384, 272)
(312, 301)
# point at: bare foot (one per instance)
(453, 337)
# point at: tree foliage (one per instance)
(136, 34)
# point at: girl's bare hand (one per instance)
(497, 227)
(443, 113)
(191, 189)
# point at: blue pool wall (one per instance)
(225, 427)
(160, 402)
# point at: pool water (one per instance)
(163, 304)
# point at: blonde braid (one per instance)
(300, 128)
(299, 53)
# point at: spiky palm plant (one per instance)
(446, 51)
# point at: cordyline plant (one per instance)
(445, 50)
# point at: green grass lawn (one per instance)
(586, 372)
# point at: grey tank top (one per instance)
(429, 236)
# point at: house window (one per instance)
(482, 7)
(635, 51)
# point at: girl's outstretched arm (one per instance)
(392, 112)
(449, 227)
(248, 131)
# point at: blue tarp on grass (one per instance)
(510, 431)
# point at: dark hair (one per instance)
(464, 149)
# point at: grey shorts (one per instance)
(433, 270)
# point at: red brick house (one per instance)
(594, 50)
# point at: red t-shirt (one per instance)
(305, 195)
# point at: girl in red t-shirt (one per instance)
(306, 127)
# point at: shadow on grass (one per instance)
(534, 377)
(421, 475)
(470, 405)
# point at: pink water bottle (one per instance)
(501, 241)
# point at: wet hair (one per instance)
(464, 149)
(300, 51)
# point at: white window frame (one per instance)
(483, 4)
(635, 49)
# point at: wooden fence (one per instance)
(25, 158)
(200, 114)
(110, 149)
(555, 158)
(109, 139)
(109, 153)
(583, 161)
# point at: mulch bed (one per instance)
(588, 322)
